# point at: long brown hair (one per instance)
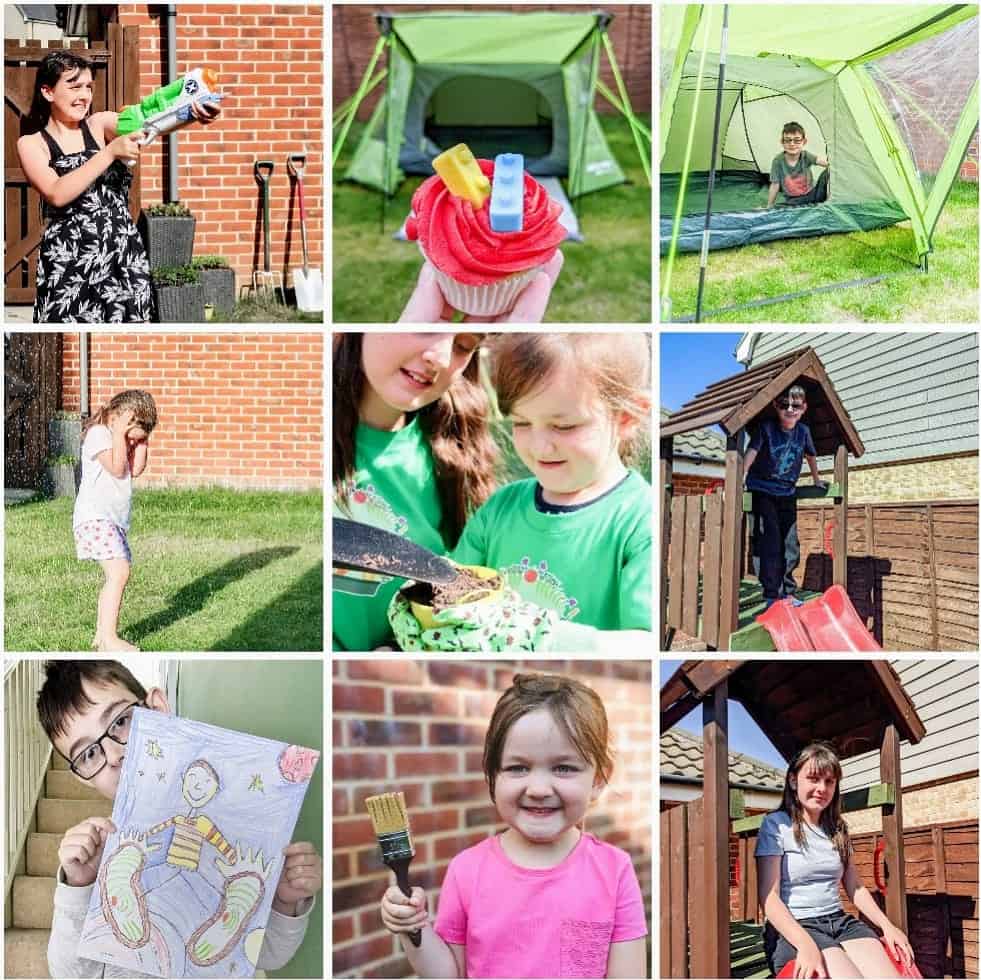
(140, 403)
(822, 757)
(617, 366)
(464, 453)
(576, 709)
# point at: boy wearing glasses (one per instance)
(790, 171)
(772, 465)
(86, 707)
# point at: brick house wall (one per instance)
(235, 410)
(684, 485)
(270, 64)
(355, 35)
(956, 800)
(953, 478)
(419, 727)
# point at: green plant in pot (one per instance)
(168, 234)
(59, 477)
(218, 280)
(179, 294)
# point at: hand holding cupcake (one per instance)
(479, 270)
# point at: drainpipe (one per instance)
(173, 193)
(83, 375)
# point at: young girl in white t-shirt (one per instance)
(114, 450)
(803, 854)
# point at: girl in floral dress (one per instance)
(92, 267)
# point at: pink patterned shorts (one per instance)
(100, 540)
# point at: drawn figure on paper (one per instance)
(128, 885)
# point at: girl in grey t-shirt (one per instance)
(803, 854)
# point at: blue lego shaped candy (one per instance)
(507, 205)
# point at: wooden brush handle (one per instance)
(401, 869)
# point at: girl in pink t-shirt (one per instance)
(543, 899)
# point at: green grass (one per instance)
(265, 309)
(948, 293)
(212, 570)
(606, 279)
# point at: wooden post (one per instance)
(839, 566)
(667, 472)
(732, 535)
(890, 771)
(713, 959)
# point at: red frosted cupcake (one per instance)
(481, 271)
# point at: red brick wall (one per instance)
(270, 62)
(419, 727)
(684, 484)
(238, 410)
(355, 35)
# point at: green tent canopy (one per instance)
(887, 93)
(500, 82)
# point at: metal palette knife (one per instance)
(363, 548)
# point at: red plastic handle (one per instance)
(829, 530)
(880, 880)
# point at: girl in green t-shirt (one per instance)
(412, 454)
(573, 543)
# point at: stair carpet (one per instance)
(66, 802)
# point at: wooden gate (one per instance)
(116, 84)
(32, 391)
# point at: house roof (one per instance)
(741, 399)
(700, 444)
(846, 702)
(911, 395)
(681, 755)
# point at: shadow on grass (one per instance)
(274, 627)
(192, 597)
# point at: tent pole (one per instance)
(576, 186)
(358, 96)
(715, 148)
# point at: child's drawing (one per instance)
(187, 882)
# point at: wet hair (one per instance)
(576, 709)
(617, 368)
(456, 425)
(53, 65)
(62, 694)
(793, 127)
(820, 756)
(140, 403)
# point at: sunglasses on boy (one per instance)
(789, 406)
(92, 759)
(792, 139)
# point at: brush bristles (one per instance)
(388, 813)
(391, 823)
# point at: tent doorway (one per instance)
(487, 113)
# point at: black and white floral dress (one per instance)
(92, 267)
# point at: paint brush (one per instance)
(391, 823)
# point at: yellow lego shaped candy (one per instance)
(462, 174)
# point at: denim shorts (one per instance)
(827, 931)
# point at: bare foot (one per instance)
(117, 644)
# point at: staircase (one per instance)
(66, 802)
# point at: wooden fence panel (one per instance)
(676, 562)
(712, 569)
(693, 561)
(674, 892)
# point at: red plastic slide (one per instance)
(827, 623)
(904, 971)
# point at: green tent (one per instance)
(500, 82)
(887, 93)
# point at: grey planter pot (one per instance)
(219, 288)
(59, 480)
(180, 304)
(65, 437)
(168, 241)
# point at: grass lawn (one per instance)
(606, 279)
(265, 309)
(212, 570)
(947, 294)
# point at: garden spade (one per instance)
(363, 548)
(307, 283)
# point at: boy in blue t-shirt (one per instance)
(772, 465)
